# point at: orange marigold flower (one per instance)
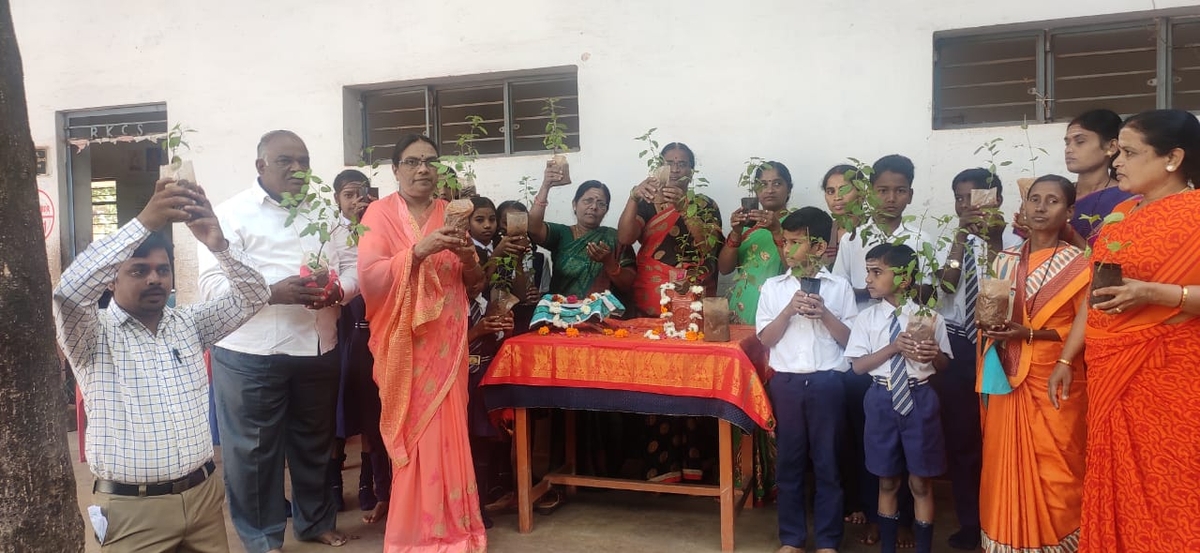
(655, 331)
(701, 335)
(664, 309)
(544, 331)
(621, 333)
(608, 332)
(691, 336)
(572, 332)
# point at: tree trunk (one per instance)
(38, 507)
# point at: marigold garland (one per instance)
(543, 331)
(572, 332)
(621, 333)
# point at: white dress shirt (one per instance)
(851, 262)
(954, 306)
(146, 394)
(872, 331)
(254, 224)
(806, 345)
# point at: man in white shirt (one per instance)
(803, 317)
(979, 237)
(140, 367)
(276, 378)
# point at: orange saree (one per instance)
(418, 321)
(1143, 448)
(1033, 454)
(652, 273)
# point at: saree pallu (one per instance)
(1033, 454)
(418, 316)
(758, 260)
(1143, 449)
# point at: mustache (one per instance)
(154, 290)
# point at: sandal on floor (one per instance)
(550, 502)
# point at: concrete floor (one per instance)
(593, 521)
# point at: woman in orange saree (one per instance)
(673, 243)
(1033, 450)
(417, 275)
(1142, 346)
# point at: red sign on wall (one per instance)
(47, 208)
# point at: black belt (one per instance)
(362, 324)
(177, 486)
(912, 382)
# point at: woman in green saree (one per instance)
(585, 256)
(753, 247)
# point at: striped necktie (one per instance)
(902, 400)
(970, 269)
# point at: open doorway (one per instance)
(113, 156)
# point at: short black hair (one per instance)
(894, 163)
(815, 221)
(779, 168)
(481, 202)
(897, 256)
(1168, 129)
(349, 175)
(511, 204)
(407, 140)
(840, 169)
(978, 177)
(156, 241)
(1068, 187)
(588, 185)
(681, 147)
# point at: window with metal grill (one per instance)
(512, 113)
(1055, 72)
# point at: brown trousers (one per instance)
(193, 521)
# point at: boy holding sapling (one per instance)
(980, 235)
(903, 430)
(803, 317)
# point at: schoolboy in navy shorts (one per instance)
(803, 317)
(903, 422)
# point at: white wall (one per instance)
(806, 83)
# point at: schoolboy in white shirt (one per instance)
(803, 317)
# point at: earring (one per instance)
(1170, 168)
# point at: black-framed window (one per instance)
(512, 112)
(1056, 72)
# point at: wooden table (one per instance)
(604, 373)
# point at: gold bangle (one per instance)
(1030, 340)
(1183, 293)
(1064, 362)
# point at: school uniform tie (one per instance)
(971, 284)
(902, 400)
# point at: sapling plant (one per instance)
(456, 172)
(176, 168)
(315, 207)
(748, 179)
(1104, 273)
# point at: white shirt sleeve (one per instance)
(859, 343)
(942, 336)
(841, 263)
(768, 308)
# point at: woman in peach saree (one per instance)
(417, 275)
(1033, 448)
(1142, 347)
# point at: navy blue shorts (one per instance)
(893, 443)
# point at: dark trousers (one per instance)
(955, 387)
(272, 409)
(866, 484)
(809, 424)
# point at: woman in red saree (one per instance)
(677, 234)
(1033, 448)
(417, 275)
(1142, 346)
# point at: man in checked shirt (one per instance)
(141, 368)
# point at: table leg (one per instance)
(569, 442)
(524, 475)
(749, 442)
(727, 485)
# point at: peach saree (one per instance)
(1033, 454)
(418, 336)
(1143, 449)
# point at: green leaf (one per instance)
(1114, 217)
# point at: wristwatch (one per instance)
(954, 264)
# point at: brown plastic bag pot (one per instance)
(458, 214)
(920, 327)
(517, 223)
(500, 302)
(716, 319)
(992, 308)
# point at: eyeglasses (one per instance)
(415, 162)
